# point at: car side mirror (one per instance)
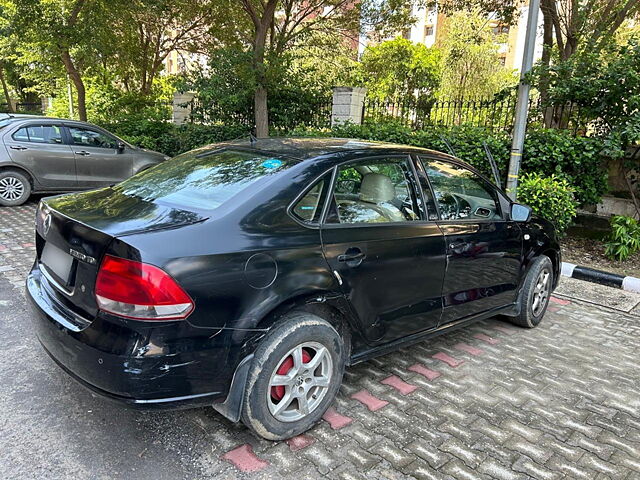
(121, 147)
(520, 213)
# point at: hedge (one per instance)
(547, 152)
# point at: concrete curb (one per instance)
(629, 284)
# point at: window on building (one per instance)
(428, 30)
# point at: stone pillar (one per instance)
(348, 103)
(181, 107)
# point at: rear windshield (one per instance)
(4, 121)
(201, 181)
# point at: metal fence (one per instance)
(496, 115)
(22, 107)
(283, 117)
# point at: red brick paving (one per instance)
(465, 347)
(244, 459)
(448, 359)
(300, 442)
(559, 301)
(424, 371)
(369, 401)
(335, 419)
(403, 387)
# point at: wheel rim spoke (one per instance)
(321, 382)
(284, 403)
(281, 380)
(316, 360)
(297, 358)
(303, 403)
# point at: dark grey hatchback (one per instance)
(43, 154)
(247, 275)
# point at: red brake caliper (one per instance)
(285, 367)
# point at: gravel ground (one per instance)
(590, 253)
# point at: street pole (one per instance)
(522, 104)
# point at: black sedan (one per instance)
(247, 275)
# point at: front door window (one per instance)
(461, 194)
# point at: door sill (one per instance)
(421, 336)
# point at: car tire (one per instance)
(535, 293)
(15, 188)
(279, 386)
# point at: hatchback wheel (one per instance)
(535, 293)
(15, 188)
(295, 375)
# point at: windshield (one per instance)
(201, 181)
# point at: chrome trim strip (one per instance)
(52, 281)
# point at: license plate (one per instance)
(57, 261)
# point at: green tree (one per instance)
(471, 67)
(144, 32)
(400, 69)
(605, 86)
(54, 40)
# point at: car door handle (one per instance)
(17, 147)
(84, 153)
(352, 257)
(458, 245)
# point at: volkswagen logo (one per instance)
(46, 225)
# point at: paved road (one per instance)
(488, 401)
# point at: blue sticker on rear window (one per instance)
(271, 163)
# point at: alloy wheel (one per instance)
(541, 292)
(11, 188)
(299, 382)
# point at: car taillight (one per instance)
(137, 290)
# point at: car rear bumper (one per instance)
(140, 364)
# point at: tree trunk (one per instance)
(76, 78)
(5, 89)
(261, 112)
(260, 107)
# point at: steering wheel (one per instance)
(449, 200)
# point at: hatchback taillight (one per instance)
(137, 290)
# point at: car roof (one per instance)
(303, 148)
(22, 117)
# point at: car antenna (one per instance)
(492, 162)
(448, 145)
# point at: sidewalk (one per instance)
(596, 294)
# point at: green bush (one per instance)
(624, 239)
(577, 159)
(172, 139)
(550, 197)
(546, 151)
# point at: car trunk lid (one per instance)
(74, 233)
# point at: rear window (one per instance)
(201, 181)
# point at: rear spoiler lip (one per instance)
(124, 233)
